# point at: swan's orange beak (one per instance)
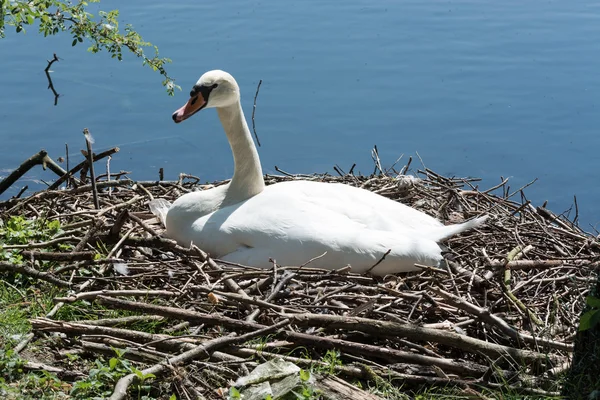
(194, 104)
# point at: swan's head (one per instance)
(214, 89)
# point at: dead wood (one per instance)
(506, 308)
(394, 329)
(201, 350)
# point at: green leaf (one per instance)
(234, 393)
(592, 301)
(304, 375)
(74, 42)
(112, 363)
(585, 321)
(138, 373)
(173, 397)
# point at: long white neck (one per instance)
(247, 178)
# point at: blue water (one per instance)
(477, 88)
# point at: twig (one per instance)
(61, 373)
(376, 160)
(576, 210)
(67, 157)
(25, 270)
(50, 83)
(404, 170)
(142, 224)
(108, 174)
(115, 293)
(90, 157)
(58, 256)
(23, 343)
(283, 172)
(177, 313)
(23, 189)
(526, 264)
(253, 110)
(380, 261)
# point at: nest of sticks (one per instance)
(501, 313)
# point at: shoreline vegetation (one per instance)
(96, 303)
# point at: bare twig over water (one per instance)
(50, 83)
(253, 110)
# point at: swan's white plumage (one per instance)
(292, 222)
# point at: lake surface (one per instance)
(477, 88)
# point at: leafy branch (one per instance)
(54, 16)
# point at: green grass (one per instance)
(23, 298)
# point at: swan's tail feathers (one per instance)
(160, 207)
(447, 231)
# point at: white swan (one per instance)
(291, 222)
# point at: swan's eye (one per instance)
(214, 85)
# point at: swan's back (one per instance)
(359, 205)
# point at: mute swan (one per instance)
(291, 222)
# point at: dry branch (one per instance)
(40, 158)
(25, 270)
(202, 350)
(394, 329)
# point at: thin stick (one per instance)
(23, 189)
(576, 210)
(376, 160)
(108, 174)
(351, 172)
(50, 84)
(380, 260)
(90, 157)
(253, 110)
(67, 156)
(25, 270)
(406, 167)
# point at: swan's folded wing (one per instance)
(297, 231)
(360, 205)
